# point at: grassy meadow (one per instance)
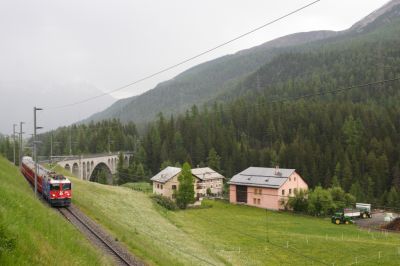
(40, 236)
(225, 234)
(140, 186)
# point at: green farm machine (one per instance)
(347, 215)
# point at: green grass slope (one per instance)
(133, 219)
(226, 234)
(41, 236)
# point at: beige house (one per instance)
(166, 181)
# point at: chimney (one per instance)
(277, 170)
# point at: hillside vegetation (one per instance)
(31, 233)
(206, 81)
(282, 113)
(224, 234)
(351, 136)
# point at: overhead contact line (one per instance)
(188, 59)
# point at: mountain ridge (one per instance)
(207, 81)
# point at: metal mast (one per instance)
(14, 125)
(34, 145)
(21, 150)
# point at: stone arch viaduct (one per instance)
(84, 166)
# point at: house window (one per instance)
(254, 201)
(294, 178)
(290, 179)
(290, 191)
(295, 190)
(161, 186)
(258, 201)
(283, 192)
(174, 187)
(158, 185)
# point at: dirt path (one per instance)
(375, 222)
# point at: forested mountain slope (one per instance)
(205, 82)
(350, 137)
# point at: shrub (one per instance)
(206, 204)
(165, 202)
(341, 198)
(320, 202)
(298, 203)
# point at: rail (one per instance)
(91, 233)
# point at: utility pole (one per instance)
(109, 144)
(21, 150)
(70, 141)
(51, 148)
(34, 145)
(14, 125)
(52, 144)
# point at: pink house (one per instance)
(265, 187)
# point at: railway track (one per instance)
(98, 237)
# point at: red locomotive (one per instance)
(56, 189)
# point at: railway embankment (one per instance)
(31, 233)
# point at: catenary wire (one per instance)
(320, 93)
(186, 60)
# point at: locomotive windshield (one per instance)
(55, 187)
(66, 186)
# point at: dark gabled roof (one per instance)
(166, 174)
(262, 177)
(169, 172)
(206, 173)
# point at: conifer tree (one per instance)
(185, 192)
(214, 160)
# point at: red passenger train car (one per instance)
(56, 189)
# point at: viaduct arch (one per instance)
(89, 167)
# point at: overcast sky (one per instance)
(111, 43)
